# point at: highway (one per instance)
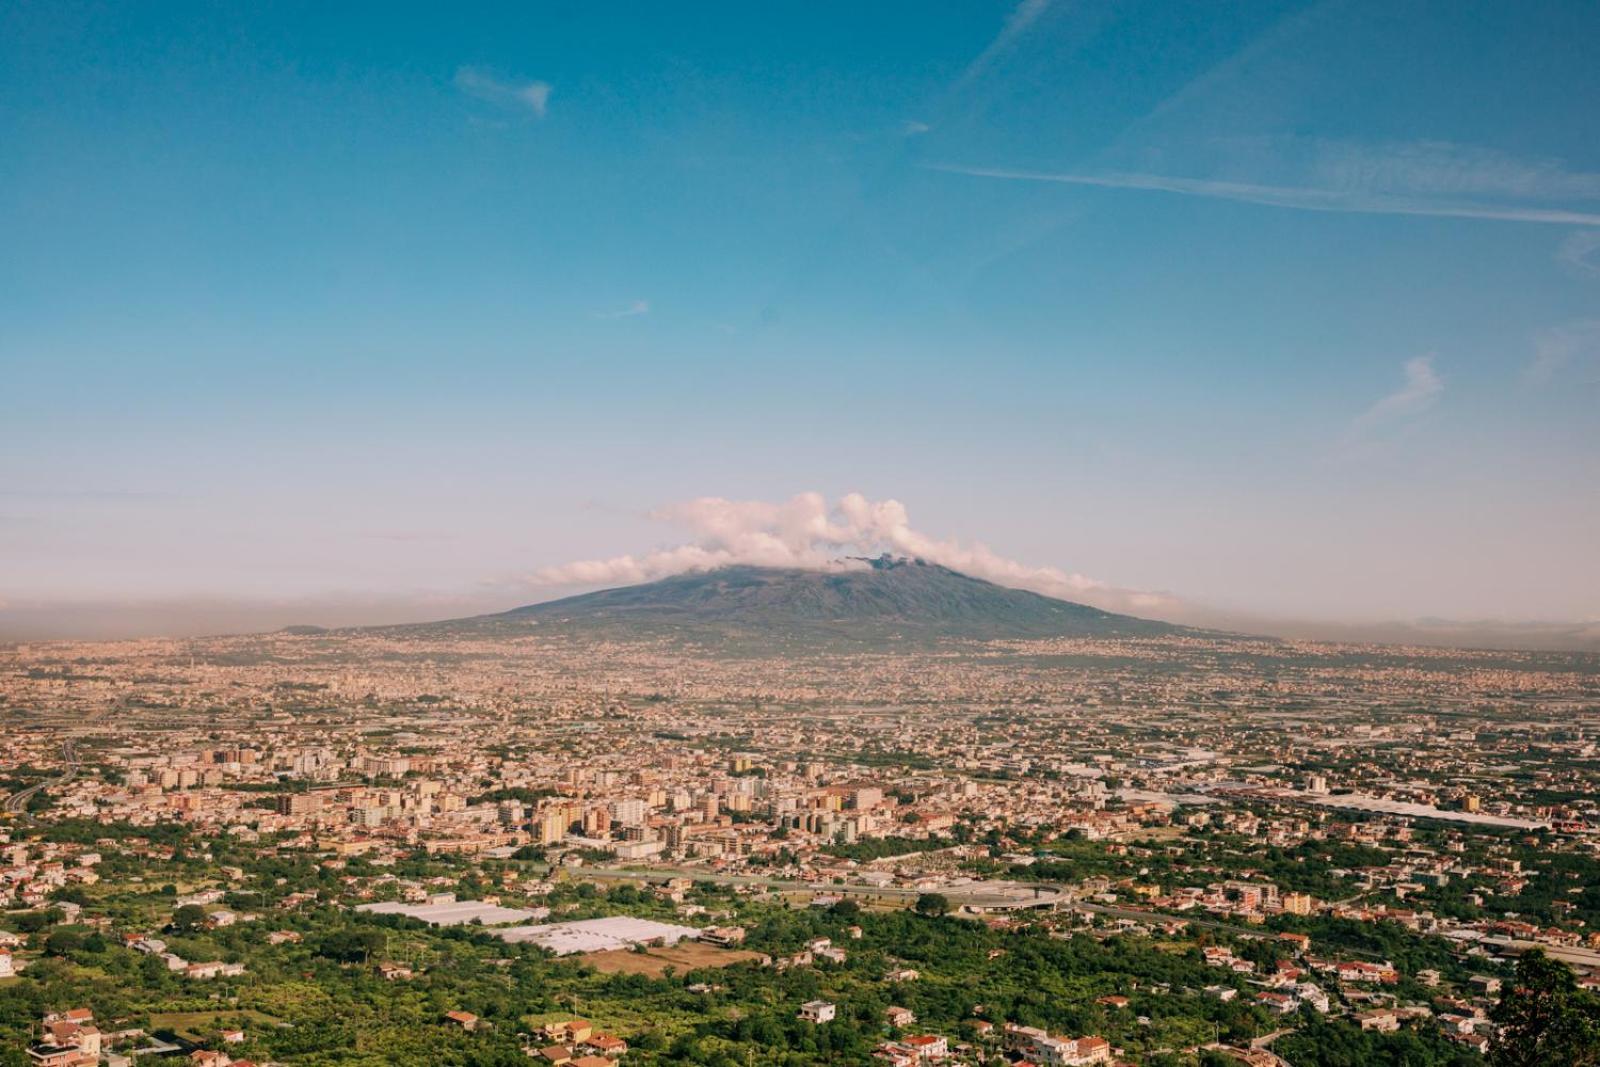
(17, 802)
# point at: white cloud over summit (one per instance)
(806, 531)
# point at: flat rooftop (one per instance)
(596, 935)
(1383, 806)
(455, 913)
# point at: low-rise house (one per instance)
(1313, 995)
(569, 1031)
(1278, 1003)
(1382, 1020)
(894, 1054)
(48, 1055)
(1485, 984)
(70, 1039)
(1038, 1046)
(929, 1048)
(609, 1045)
(724, 936)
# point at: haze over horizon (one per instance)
(806, 532)
(1279, 312)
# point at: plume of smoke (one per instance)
(806, 531)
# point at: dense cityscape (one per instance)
(403, 845)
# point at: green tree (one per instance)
(63, 941)
(933, 904)
(351, 945)
(34, 921)
(1544, 1018)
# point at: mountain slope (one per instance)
(890, 599)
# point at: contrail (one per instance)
(1303, 199)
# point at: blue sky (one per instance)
(1276, 308)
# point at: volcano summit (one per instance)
(882, 599)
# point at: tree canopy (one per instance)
(1543, 1018)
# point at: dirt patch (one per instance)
(692, 954)
(682, 957)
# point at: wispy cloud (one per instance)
(1355, 201)
(532, 97)
(1419, 392)
(638, 307)
(1579, 252)
(1435, 168)
(806, 531)
(1560, 346)
(1024, 15)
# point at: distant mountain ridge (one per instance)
(888, 599)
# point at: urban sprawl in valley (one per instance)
(401, 845)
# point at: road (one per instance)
(1160, 917)
(18, 801)
(981, 894)
(1271, 1057)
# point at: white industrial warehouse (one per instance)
(597, 935)
(454, 912)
